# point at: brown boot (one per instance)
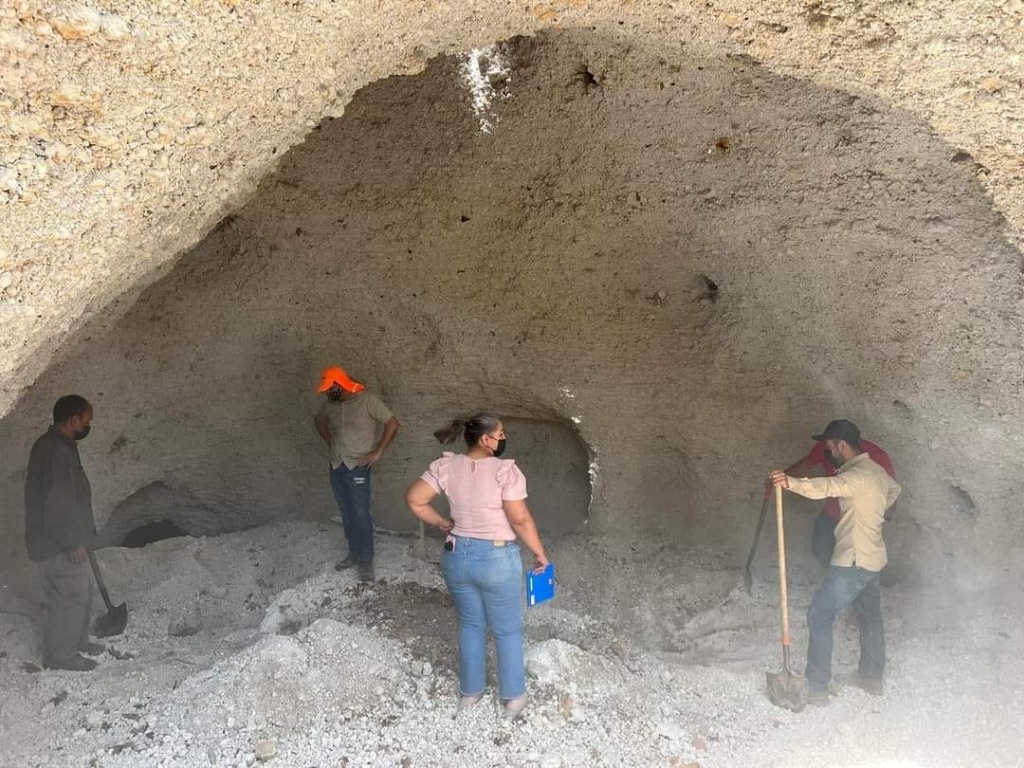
(872, 685)
(90, 648)
(77, 663)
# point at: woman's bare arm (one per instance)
(521, 520)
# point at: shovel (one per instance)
(748, 576)
(117, 615)
(419, 549)
(785, 689)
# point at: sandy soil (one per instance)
(251, 643)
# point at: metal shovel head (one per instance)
(112, 623)
(787, 690)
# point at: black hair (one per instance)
(471, 429)
(69, 406)
(855, 444)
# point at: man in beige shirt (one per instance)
(865, 491)
(357, 427)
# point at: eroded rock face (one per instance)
(693, 260)
(128, 135)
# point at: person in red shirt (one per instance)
(823, 540)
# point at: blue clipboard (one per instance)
(540, 587)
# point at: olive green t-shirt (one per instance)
(355, 424)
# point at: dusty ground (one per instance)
(281, 648)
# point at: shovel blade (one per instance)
(112, 623)
(787, 690)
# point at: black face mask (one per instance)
(832, 459)
(499, 448)
(83, 432)
(334, 395)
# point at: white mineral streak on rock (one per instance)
(483, 68)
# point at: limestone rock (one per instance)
(8, 180)
(100, 138)
(17, 43)
(74, 21)
(265, 749)
(113, 27)
(69, 95)
(188, 623)
(551, 661)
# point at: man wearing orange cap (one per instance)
(357, 427)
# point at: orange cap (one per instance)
(336, 375)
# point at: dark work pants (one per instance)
(352, 493)
(843, 587)
(67, 590)
(823, 539)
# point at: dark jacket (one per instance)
(58, 498)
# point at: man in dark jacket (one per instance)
(59, 528)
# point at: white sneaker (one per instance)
(514, 707)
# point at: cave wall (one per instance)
(692, 259)
(130, 128)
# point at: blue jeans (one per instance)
(486, 583)
(352, 493)
(823, 539)
(845, 586)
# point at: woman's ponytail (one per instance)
(471, 429)
(449, 434)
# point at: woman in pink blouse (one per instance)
(481, 563)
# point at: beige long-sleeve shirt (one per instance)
(865, 491)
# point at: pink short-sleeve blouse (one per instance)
(475, 491)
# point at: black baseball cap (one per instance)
(840, 429)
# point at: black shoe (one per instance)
(77, 663)
(92, 649)
(345, 564)
(366, 571)
(818, 698)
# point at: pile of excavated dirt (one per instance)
(287, 662)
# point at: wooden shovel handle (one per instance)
(784, 601)
(98, 575)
